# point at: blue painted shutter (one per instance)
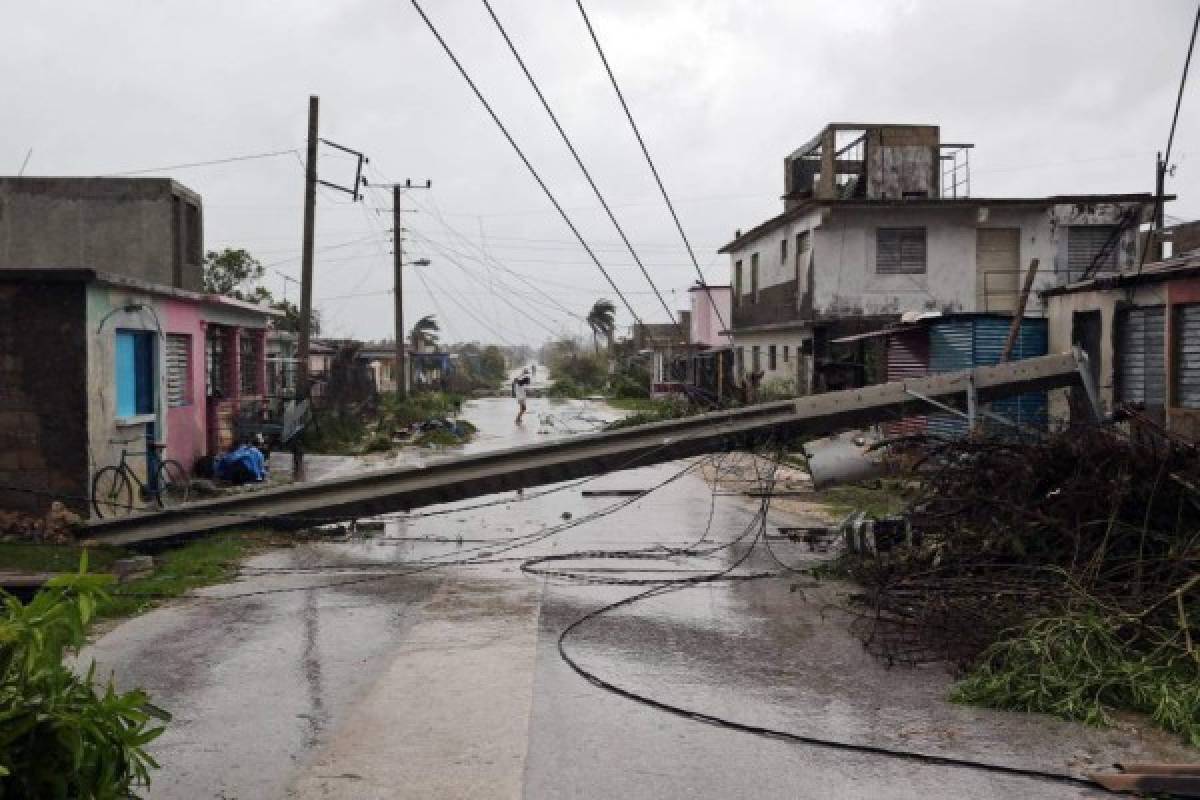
(126, 374)
(144, 356)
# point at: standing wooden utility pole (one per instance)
(398, 294)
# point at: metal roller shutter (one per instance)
(907, 357)
(1187, 356)
(1085, 243)
(1141, 356)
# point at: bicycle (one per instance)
(112, 488)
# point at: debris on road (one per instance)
(1061, 575)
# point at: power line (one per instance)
(214, 162)
(449, 254)
(521, 154)
(579, 161)
(1160, 178)
(524, 279)
(654, 170)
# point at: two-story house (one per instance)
(878, 222)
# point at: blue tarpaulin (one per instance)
(241, 465)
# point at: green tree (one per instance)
(230, 272)
(425, 332)
(602, 319)
(492, 363)
(290, 321)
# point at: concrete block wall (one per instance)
(145, 228)
(43, 397)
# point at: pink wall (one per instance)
(186, 424)
(706, 324)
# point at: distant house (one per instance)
(1141, 331)
(878, 221)
(115, 354)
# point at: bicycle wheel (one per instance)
(112, 493)
(173, 485)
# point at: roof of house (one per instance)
(811, 204)
(1184, 266)
(922, 321)
(88, 275)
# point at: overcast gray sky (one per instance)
(1058, 97)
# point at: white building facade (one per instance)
(857, 250)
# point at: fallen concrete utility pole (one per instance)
(382, 491)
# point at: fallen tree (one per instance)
(1060, 575)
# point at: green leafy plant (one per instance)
(1080, 666)
(62, 735)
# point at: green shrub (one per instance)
(1078, 666)
(566, 387)
(61, 735)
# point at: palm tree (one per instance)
(602, 319)
(424, 332)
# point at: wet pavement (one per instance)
(372, 668)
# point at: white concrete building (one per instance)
(878, 222)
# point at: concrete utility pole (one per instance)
(306, 277)
(1154, 240)
(401, 367)
(306, 268)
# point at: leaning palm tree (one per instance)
(424, 332)
(602, 319)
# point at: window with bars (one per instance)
(785, 354)
(179, 369)
(216, 362)
(249, 362)
(900, 251)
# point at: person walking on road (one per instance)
(520, 391)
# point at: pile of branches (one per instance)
(1059, 575)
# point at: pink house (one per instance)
(712, 316)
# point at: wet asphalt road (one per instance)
(322, 673)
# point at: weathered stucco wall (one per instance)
(845, 280)
(186, 425)
(1060, 310)
(108, 434)
(43, 396)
